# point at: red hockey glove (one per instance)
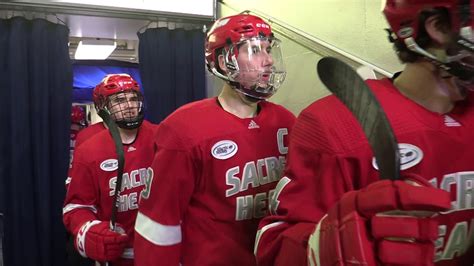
(95, 240)
(388, 222)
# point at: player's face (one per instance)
(255, 61)
(257, 66)
(124, 105)
(464, 61)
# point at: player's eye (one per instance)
(255, 49)
(120, 100)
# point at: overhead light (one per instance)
(95, 49)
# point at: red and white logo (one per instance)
(450, 122)
(109, 165)
(224, 149)
(410, 155)
(81, 236)
(253, 125)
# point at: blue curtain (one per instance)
(172, 69)
(36, 85)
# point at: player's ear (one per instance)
(437, 30)
(220, 59)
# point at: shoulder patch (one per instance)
(410, 155)
(224, 149)
(109, 165)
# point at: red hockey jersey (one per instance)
(93, 179)
(75, 129)
(88, 132)
(329, 155)
(77, 138)
(213, 175)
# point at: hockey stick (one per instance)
(121, 161)
(114, 132)
(353, 92)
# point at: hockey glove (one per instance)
(95, 240)
(388, 222)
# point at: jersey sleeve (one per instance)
(316, 176)
(81, 202)
(164, 201)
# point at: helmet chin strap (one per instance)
(251, 98)
(132, 123)
(413, 46)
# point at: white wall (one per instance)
(355, 26)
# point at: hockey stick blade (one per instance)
(353, 92)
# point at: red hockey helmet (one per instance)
(95, 97)
(402, 15)
(77, 114)
(115, 83)
(227, 35)
(232, 30)
(111, 87)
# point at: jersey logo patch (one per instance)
(109, 165)
(450, 122)
(410, 155)
(224, 149)
(253, 125)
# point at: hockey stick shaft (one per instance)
(353, 92)
(114, 132)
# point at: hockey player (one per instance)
(88, 204)
(331, 205)
(78, 123)
(84, 133)
(78, 116)
(94, 128)
(219, 159)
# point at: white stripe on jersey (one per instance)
(156, 233)
(313, 245)
(260, 233)
(71, 207)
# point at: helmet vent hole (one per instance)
(245, 29)
(110, 87)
